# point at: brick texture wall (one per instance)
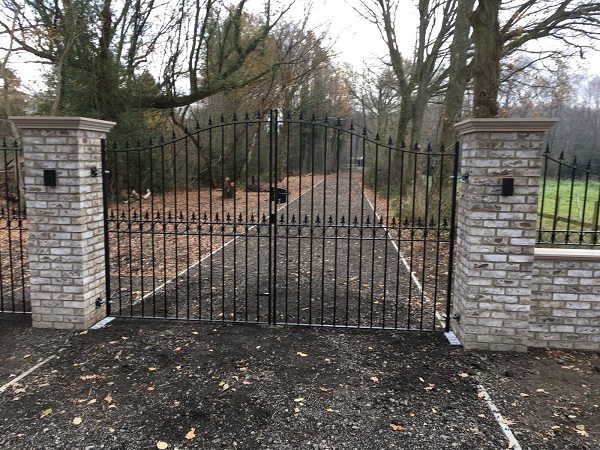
(66, 241)
(565, 305)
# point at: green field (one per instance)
(574, 204)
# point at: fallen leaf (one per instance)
(555, 427)
(191, 434)
(582, 433)
(149, 388)
(92, 401)
(76, 420)
(481, 416)
(27, 356)
(177, 349)
(151, 369)
(299, 399)
(19, 391)
(329, 410)
(374, 379)
(112, 430)
(323, 389)
(580, 427)
(46, 412)
(194, 332)
(304, 355)
(433, 410)
(82, 400)
(422, 380)
(225, 386)
(511, 444)
(430, 387)
(243, 369)
(246, 382)
(463, 375)
(108, 398)
(541, 390)
(395, 427)
(523, 394)
(481, 394)
(162, 445)
(508, 422)
(296, 410)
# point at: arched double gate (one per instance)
(280, 221)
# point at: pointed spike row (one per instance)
(393, 223)
(246, 117)
(228, 217)
(419, 222)
(561, 156)
(403, 145)
(198, 127)
(377, 136)
(318, 220)
(406, 222)
(445, 223)
(574, 161)
(442, 149)
(381, 221)
(589, 165)
(338, 123)
(170, 216)
(301, 117)
(432, 223)
(330, 221)
(547, 151)
(185, 130)
(305, 219)
(235, 119)
(429, 148)
(240, 218)
(222, 120)
(258, 115)
(264, 218)
(326, 120)
(343, 221)
(355, 221)
(210, 122)
(351, 128)
(281, 219)
(288, 116)
(364, 133)
(368, 221)
(205, 218)
(193, 216)
(217, 217)
(294, 218)
(390, 142)
(181, 216)
(252, 219)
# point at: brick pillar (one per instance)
(65, 221)
(496, 233)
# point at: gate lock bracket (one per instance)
(100, 302)
(455, 317)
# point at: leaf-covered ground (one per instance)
(157, 384)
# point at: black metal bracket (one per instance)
(456, 317)
(465, 177)
(94, 171)
(99, 302)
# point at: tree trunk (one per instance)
(486, 61)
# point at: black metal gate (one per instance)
(280, 221)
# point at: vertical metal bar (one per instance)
(273, 150)
(199, 217)
(585, 203)
(337, 219)
(140, 225)
(374, 235)
(400, 256)
(543, 199)
(129, 227)
(259, 128)
(223, 287)
(165, 223)
(312, 220)
(186, 184)
(20, 217)
(438, 241)
(153, 225)
(361, 224)
(349, 224)
(557, 200)
(286, 175)
(385, 221)
(415, 155)
(234, 179)
(425, 233)
(105, 215)
(211, 218)
(299, 257)
(568, 229)
(9, 236)
(117, 232)
(452, 238)
(325, 220)
(246, 217)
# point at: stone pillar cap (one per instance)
(504, 125)
(62, 123)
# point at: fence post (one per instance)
(496, 231)
(65, 219)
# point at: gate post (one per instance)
(501, 165)
(65, 219)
